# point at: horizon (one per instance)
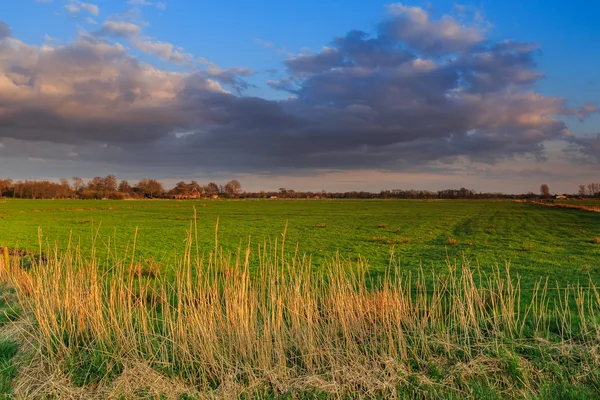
(338, 96)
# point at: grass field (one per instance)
(537, 241)
(192, 318)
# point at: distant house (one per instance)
(273, 197)
(560, 196)
(195, 194)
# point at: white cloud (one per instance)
(76, 7)
(158, 4)
(263, 43)
(121, 29)
(163, 50)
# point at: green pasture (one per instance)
(537, 241)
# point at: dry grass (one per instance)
(226, 329)
(321, 225)
(148, 269)
(527, 246)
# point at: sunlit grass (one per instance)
(215, 326)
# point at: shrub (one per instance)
(116, 196)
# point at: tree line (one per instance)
(589, 190)
(109, 187)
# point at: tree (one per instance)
(233, 187)
(77, 184)
(150, 188)
(125, 187)
(5, 186)
(545, 191)
(110, 183)
(212, 188)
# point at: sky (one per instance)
(303, 94)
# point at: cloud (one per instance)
(5, 30)
(414, 26)
(231, 76)
(157, 4)
(75, 7)
(163, 50)
(120, 29)
(418, 93)
(586, 110)
(263, 43)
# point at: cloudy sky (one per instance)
(306, 94)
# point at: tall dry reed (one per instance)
(265, 318)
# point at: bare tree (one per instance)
(212, 188)
(77, 184)
(110, 183)
(545, 191)
(150, 188)
(125, 187)
(233, 187)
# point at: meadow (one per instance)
(299, 299)
(536, 241)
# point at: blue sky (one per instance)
(254, 43)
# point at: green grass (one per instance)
(290, 332)
(8, 369)
(537, 241)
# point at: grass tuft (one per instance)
(527, 246)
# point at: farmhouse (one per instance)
(194, 194)
(560, 196)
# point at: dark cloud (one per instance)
(419, 91)
(4, 30)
